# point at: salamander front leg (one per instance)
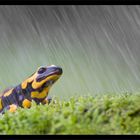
(26, 103)
(47, 100)
(13, 107)
(10, 108)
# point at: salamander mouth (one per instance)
(52, 81)
(51, 74)
(57, 72)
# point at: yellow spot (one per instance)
(0, 103)
(36, 85)
(8, 92)
(30, 79)
(26, 103)
(13, 108)
(39, 95)
(24, 84)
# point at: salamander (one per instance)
(34, 88)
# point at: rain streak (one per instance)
(98, 47)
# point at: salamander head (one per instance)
(48, 75)
(43, 78)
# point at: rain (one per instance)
(97, 47)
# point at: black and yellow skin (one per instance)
(35, 87)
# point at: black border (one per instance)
(71, 137)
(69, 2)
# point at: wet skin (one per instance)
(36, 87)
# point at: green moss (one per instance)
(109, 114)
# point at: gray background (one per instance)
(98, 47)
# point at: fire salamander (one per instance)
(35, 87)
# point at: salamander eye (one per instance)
(41, 70)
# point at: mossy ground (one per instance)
(109, 114)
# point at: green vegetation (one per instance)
(109, 114)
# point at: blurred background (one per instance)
(98, 47)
